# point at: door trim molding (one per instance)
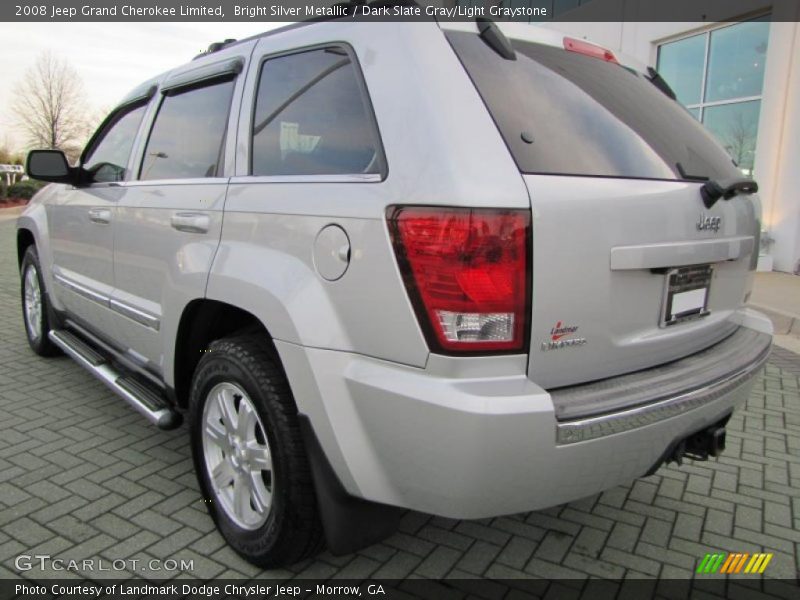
(126, 310)
(81, 290)
(135, 314)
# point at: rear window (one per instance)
(566, 113)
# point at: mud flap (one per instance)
(350, 523)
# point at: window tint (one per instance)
(587, 116)
(311, 118)
(108, 159)
(187, 137)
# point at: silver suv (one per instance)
(462, 269)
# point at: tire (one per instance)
(36, 312)
(243, 420)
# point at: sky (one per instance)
(111, 58)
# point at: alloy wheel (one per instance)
(237, 456)
(33, 303)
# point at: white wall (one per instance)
(782, 213)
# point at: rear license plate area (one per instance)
(685, 294)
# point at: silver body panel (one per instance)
(83, 251)
(598, 246)
(457, 436)
(463, 443)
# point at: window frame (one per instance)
(702, 105)
(107, 125)
(186, 88)
(383, 165)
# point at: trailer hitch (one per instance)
(700, 445)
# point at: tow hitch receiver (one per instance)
(709, 442)
(701, 445)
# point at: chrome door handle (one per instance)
(190, 222)
(100, 215)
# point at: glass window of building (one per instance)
(718, 75)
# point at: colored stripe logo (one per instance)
(734, 563)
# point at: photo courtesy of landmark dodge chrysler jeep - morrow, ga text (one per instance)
(464, 269)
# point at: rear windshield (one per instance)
(566, 113)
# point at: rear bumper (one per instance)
(661, 393)
(438, 441)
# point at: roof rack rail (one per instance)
(348, 5)
(216, 47)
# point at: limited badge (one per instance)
(559, 339)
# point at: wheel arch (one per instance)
(349, 523)
(25, 239)
(33, 230)
(202, 322)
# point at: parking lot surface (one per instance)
(82, 476)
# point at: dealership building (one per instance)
(735, 65)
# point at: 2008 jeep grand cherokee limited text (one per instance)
(464, 269)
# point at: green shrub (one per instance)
(25, 189)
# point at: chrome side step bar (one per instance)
(148, 402)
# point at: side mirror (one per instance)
(49, 165)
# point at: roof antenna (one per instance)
(490, 33)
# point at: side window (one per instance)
(311, 117)
(186, 140)
(108, 159)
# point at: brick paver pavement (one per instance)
(82, 476)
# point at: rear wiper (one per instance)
(726, 189)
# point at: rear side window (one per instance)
(186, 140)
(312, 118)
(107, 160)
(587, 116)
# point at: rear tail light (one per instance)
(589, 49)
(467, 274)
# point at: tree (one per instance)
(50, 105)
(740, 140)
(7, 157)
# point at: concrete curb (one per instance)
(785, 323)
(6, 214)
(775, 311)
